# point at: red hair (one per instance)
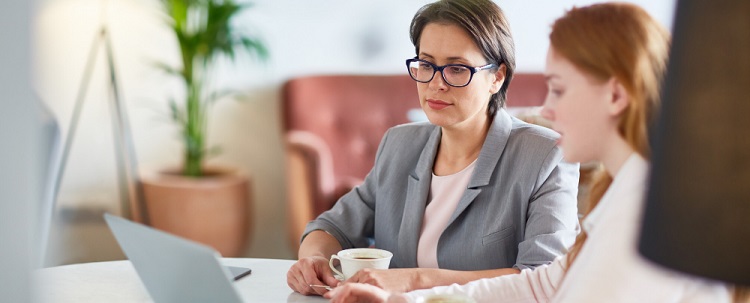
(620, 41)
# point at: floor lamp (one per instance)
(697, 217)
(131, 193)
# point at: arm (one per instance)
(312, 267)
(431, 277)
(318, 243)
(552, 223)
(351, 220)
(348, 224)
(408, 279)
(344, 226)
(538, 285)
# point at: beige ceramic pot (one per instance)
(212, 210)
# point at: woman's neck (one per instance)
(459, 146)
(617, 151)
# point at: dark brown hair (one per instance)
(620, 41)
(485, 23)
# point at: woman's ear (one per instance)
(620, 98)
(499, 79)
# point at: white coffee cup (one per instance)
(354, 259)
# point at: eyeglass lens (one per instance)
(455, 75)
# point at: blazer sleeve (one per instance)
(351, 219)
(552, 224)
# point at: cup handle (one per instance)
(330, 264)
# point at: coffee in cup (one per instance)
(354, 259)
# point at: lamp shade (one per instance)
(697, 216)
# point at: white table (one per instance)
(117, 281)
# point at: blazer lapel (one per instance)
(492, 149)
(416, 200)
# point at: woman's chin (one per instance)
(436, 119)
(570, 155)
(573, 157)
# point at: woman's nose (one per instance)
(438, 82)
(548, 111)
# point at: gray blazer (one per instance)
(519, 209)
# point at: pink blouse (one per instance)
(445, 192)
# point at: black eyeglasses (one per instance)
(456, 75)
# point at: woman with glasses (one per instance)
(474, 193)
(604, 69)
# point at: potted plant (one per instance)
(206, 204)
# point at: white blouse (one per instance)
(608, 267)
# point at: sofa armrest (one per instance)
(315, 155)
(309, 176)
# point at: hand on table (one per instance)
(357, 292)
(310, 270)
(394, 280)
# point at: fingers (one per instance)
(310, 276)
(366, 276)
(307, 271)
(341, 294)
(295, 280)
(333, 293)
(356, 292)
(326, 274)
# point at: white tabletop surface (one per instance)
(117, 281)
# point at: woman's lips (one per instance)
(437, 104)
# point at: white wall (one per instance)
(304, 37)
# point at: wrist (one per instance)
(397, 298)
(422, 278)
(318, 243)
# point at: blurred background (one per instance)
(302, 37)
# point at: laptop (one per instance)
(174, 269)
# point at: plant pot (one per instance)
(212, 210)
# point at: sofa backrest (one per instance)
(352, 112)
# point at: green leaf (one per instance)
(221, 95)
(166, 68)
(204, 32)
(176, 114)
(255, 46)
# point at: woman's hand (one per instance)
(357, 292)
(394, 280)
(312, 267)
(310, 270)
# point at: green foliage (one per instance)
(204, 33)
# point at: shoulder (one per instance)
(534, 150)
(533, 142)
(532, 134)
(411, 131)
(405, 141)
(408, 135)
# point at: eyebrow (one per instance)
(455, 58)
(548, 77)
